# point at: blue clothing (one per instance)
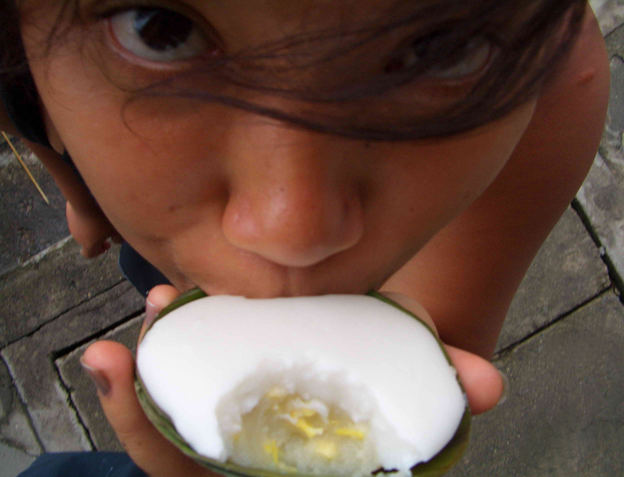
(83, 464)
(138, 271)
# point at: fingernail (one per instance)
(505, 393)
(98, 377)
(151, 312)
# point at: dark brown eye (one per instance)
(162, 30)
(433, 57)
(158, 34)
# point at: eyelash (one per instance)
(417, 59)
(129, 28)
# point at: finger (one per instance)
(95, 249)
(413, 306)
(93, 233)
(158, 298)
(482, 382)
(112, 368)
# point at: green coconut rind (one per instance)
(438, 465)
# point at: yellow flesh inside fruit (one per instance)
(287, 433)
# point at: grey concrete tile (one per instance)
(564, 413)
(31, 363)
(566, 272)
(51, 284)
(610, 13)
(602, 200)
(27, 224)
(611, 145)
(17, 432)
(83, 393)
(15, 428)
(13, 461)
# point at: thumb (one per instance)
(484, 385)
(111, 367)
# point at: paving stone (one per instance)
(13, 461)
(15, 428)
(611, 145)
(83, 393)
(610, 13)
(564, 414)
(6, 392)
(16, 432)
(31, 363)
(51, 284)
(602, 199)
(27, 224)
(566, 272)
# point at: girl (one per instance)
(269, 148)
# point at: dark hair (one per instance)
(12, 60)
(528, 40)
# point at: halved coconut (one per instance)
(339, 385)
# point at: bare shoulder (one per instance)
(574, 98)
(587, 61)
(561, 140)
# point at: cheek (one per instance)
(133, 158)
(135, 175)
(131, 177)
(476, 159)
(437, 180)
(139, 159)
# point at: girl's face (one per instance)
(234, 202)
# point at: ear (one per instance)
(53, 136)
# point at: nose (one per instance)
(293, 199)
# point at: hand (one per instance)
(91, 230)
(112, 367)
(482, 382)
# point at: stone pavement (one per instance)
(562, 346)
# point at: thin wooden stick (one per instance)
(23, 164)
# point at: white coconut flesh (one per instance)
(331, 385)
